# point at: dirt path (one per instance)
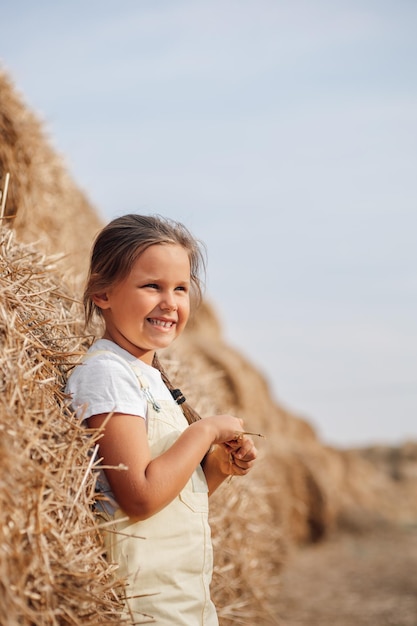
(353, 580)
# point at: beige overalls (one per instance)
(168, 572)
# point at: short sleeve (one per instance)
(102, 384)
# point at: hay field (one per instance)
(51, 566)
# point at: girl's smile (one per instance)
(149, 308)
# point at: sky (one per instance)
(283, 133)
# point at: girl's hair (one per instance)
(190, 414)
(118, 246)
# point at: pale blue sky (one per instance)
(284, 134)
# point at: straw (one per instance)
(3, 195)
(52, 568)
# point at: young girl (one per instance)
(165, 461)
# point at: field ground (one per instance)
(367, 579)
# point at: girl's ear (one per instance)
(101, 300)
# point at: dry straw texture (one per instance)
(51, 565)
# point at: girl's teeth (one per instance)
(160, 323)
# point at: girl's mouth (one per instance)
(162, 323)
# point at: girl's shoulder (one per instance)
(104, 381)
(100, 358)
(102, 366)
(104, 349)
(106, 360)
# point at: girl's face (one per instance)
(149, 308)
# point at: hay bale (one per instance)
(51, 566)
(216, 378)
(249, 551)
(43, 203)
(248, 539)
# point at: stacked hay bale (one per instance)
(51, 566)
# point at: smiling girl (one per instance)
(144, 275)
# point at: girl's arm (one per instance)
(148, 485)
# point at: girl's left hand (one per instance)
(241, 454)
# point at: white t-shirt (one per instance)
(106, 382)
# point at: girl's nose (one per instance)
(169, 303)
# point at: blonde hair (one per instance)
(118, 246)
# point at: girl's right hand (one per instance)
(225, 427)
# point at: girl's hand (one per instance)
(233, 454)
(236, 452)
(235, 457)
(223, 427)
(241, 453)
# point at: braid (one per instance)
(190, 414)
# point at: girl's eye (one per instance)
(151, 286)
(181, 288)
